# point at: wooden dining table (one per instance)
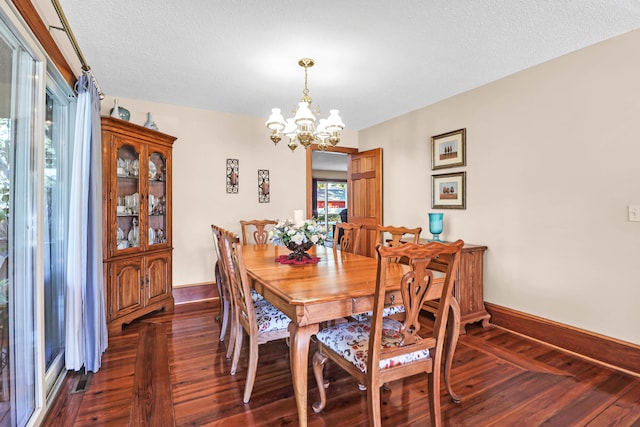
(341, 284)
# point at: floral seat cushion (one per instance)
(255, 296)
(269, 318)
(351, 341)
(386, 312)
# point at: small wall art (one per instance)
(448, 150)
(233, 176)
(263, 186)
(449, 191)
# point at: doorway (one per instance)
(327, 193)
(363, 193)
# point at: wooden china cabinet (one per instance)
(136, 212)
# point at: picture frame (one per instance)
(263, 186)
(449, 191)
(449, 150)
(233, 176)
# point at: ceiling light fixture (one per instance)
(301, 128)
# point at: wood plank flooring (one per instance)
(171, 370)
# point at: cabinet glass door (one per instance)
(157, 199)
(127, 197)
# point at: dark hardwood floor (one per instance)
(170, 369)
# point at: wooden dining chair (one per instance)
(395, 236)
(224, 289)
(346, 237)
(388, 235)
(381, 349)
(260, 228)
(260, 320)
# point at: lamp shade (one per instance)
(304, 116)
(334, 122)
(275, 121)
(321, 130)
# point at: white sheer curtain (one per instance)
(86, 325)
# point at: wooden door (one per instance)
(125, 287)
(158, 276)
(365, 195)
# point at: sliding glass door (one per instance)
(35, 116)
(330, 202)
(56, 201)
(18, 228)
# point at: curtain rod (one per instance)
(74, 43)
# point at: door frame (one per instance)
(309, 153)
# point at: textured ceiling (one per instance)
(375, 59)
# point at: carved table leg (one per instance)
(300, 337)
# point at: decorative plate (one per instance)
(152, 170)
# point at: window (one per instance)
(331, 200)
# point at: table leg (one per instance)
(453, 332)
(300, 337)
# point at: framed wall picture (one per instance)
(449, 191)
(449, 149)
(233, 176)
(263, 186)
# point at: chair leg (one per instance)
(235, 329)
(373, 405)
(319, 360)
(236, 348)
(233, 334)
(434, 398)
(225, 318)
(251, 371)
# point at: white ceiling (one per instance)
(329, 161)
(375, 59)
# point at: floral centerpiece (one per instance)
(298, 238)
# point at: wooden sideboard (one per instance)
(468, 289)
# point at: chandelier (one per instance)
(301, 128)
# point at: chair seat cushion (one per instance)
(255, 296)
(386, 312)
(351, 341)
(269, 318)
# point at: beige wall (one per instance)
(552, 164)
(205, 140)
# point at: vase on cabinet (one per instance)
(119, 112)
(150, 123)
(435, 226)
